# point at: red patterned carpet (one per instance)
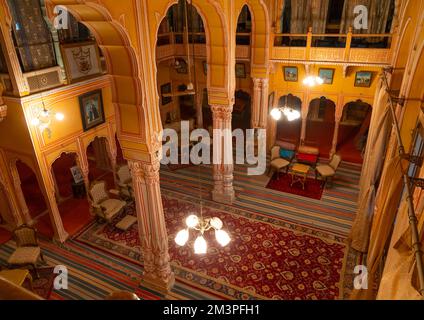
(312, 190)
(267, 259)
(43, 285)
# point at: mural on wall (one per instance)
(82, 60)
(92, 112)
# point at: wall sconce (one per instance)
(42, 118)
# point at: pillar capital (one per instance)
(222, 112)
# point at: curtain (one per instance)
(376, 147)
(400, 279)
(101, 154)
(308, 13)
(378, 15)
(386, 207)
(319, 10)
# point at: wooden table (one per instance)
(299, 173)
(17, 276)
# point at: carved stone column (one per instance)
(335, 135)
(20, 195)
(256, 106)
(264, 103)
(223, 166)
(60, 235)
(151, 226)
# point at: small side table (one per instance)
(299, 173)
(78, 190)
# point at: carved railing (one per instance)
(347, 48)
(172, 45)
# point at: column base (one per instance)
(225, 198)
(157, 284)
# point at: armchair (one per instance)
(28, 251)
(102, 205)
(328, 171)
(125, 182)
(277, 162)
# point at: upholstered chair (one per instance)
(328, 171)
(102, 204)
(277, 162)
(28, 252)
(125, 182)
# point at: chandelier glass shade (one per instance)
(312, 81)
(290, 113)
(42, 118)
(202, 225)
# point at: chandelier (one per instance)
(312, 81)
(290, 113)
(42, 118)
(202, 225)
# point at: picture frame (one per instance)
(166, 88)
(205, 68)
(240, 70)
(326, 74)
(82, 60)
(77, 174)
(363, 79)
(291, 74)
(92, 111)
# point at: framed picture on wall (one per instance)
(77, 174)
(82, 60)
(164, 89)
(363, 79)
(182, 66)
(291, 74)
(327, 75)
(91, 107)
(240, 70)
(271, 99)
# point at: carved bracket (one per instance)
(3, 112)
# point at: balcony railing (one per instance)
(346, 48)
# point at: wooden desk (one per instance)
(299, 173)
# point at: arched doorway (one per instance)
(70, 193)
(186, 67)
(320, 125)
(99, 162)
(6, 216)
(353, 130)
(289, 131)
(242, 110)
(31, 190)
(244, 27)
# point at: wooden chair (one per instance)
(328, 171)
(28, 251)
(125, 182)
(277, 162)
(102, 204)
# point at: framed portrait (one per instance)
(77, 174)
(240, 70)
(91, 107)
(271, 99)
(363, 79)
(205, 68)
(183, 67)
(82, 60)
(327, 75)
(166, 88)
(291, 74)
